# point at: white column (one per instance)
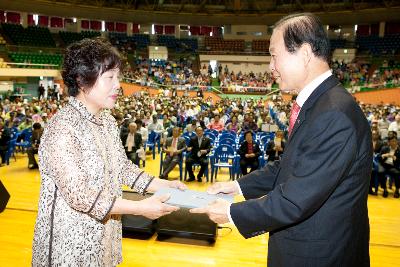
(78, 25)
(382, 25)
(24, 19)
(129, 29)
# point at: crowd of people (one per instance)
(139, 115)
(180, 75)
(355, 75)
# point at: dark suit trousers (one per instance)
(133, 156)
(3, 152)
(169, 164)
(244, 164)
(203, 165)
(393, 173)
(31, 156)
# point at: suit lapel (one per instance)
(330, 82)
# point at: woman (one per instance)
(83, 166)
(233, 125)
(275, 147)
(249, 153)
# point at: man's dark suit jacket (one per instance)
(138, 141)
(314, 200)
(194, 143)
(180, 146)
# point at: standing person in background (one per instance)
(5, 137)
(313, 202)
(41, 91)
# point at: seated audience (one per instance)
(377, 169)
(390, 160)
(217, 124)
(173, 148)
(249, 153)
(132, 141)
(35, 141)
(199, 146)
(275, 147)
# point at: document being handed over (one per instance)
(190, 198)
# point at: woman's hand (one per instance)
(157, 184)
(154, 207)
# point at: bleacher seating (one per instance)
(389, 44)
(139, 41)
(36, 58)
(167, 40)
(70, 37)
(179, 45)
(219, 44)
(191, 44)
(30, 36)
(260, 45)
(337, 43)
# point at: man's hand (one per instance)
(223, 187)
(203, 151)
(154, 207)
(216, 211)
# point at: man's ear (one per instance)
(306, 53)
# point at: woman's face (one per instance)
(104, 92)
(249, 138)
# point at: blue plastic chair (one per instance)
(224, 156)
(10, 151)
(26, 143)
(227, 141)
(211, 136)
(152, 141)
(180, 163)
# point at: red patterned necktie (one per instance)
(293, 116)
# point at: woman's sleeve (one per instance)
(60, 157)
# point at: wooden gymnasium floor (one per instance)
(230, 249)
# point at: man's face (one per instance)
(132, 128)
(199, 131)
(393, 143)
(287, 68)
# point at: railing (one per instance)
(33, 65)
(34, 49)
(224, 52)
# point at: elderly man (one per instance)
(313, 202)
(132, 141)
(173, 149)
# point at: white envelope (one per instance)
(190, 198)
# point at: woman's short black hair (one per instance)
(248, 132)
(85, 61)
(305, 28)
